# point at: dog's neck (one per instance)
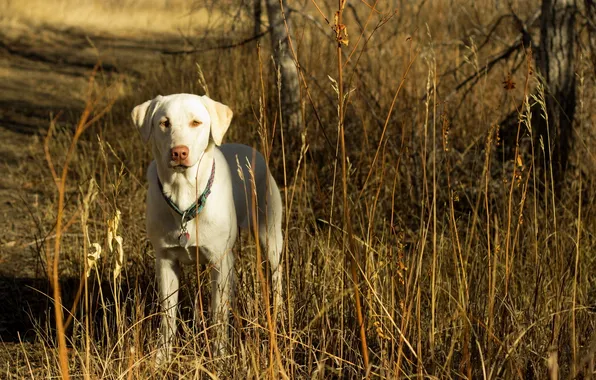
(185, 187)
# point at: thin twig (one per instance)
(221, 47)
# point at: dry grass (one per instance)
(130, 17)
(469, 265)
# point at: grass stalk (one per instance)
(352, 250)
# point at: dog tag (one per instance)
(183, 239)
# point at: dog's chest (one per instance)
(185, 234)
(166, 228)
(211, 227)
(184, 241)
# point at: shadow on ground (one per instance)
(28, 305)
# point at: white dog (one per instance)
(197, 199)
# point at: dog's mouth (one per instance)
(179, 168)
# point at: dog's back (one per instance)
(248, 166)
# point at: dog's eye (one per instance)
(165, 123)
(195, 123)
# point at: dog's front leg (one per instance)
(168, 278)
(222, 279)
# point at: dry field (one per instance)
(471, 261)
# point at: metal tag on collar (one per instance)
(184, 236)
(183, 239)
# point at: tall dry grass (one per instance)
(468, 259)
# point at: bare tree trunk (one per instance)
(556, 64)
(290, 86)
(257, 12)
(590, 12)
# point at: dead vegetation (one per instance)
(470, 261)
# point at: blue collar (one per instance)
(195, 208)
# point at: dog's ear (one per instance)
(142, 116)
(221, 117)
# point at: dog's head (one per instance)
(179, 126)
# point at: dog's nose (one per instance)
(179, 153)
